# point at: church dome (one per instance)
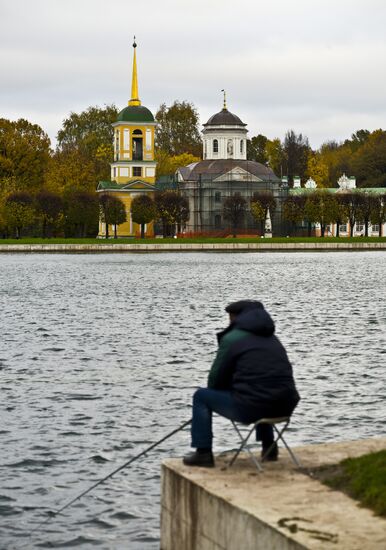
(224, 118)
(135, 113)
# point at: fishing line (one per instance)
(111, 474)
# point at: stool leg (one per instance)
(280, 436)
(244, 442)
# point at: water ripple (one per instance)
(100, 355)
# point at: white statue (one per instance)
(268, 226)
(347, 183)
(310, 184)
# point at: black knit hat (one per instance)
(243, 305)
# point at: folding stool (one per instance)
(278, 436)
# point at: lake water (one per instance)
(100, 354)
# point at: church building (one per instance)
(133, 167)
(223, 172)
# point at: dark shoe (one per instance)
(270, 453)
(205, 460)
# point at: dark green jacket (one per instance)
(253, 364)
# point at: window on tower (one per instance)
(241, 146)
(137, 145)
(215, 146)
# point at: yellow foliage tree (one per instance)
(167, 165)
(70, 170)
(317, 169)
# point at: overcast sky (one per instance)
(316, 66)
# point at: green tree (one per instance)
(81, 210)
(172, 209)
(112, 212)
(90, 133)
(369, 161)
(234, 209)
(256, 149)
(24, 153)
(352, 202)
(320, 208)
(340, 212)
(143, 211)
(49, 208)
(378, 211)
(358, 139)
(296, 150)
(293, 210)
(365, 209)
(19, 211)
(177, 131)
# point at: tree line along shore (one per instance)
(46, 192)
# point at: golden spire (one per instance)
(225, 100)
(134, 82)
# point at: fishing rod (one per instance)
(111, 474)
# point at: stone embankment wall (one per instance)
(281, 508)
(194, 247)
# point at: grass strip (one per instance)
(363, 479)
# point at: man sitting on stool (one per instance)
(250, 378)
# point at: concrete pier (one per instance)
(279, 509)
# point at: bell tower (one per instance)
(134, 138)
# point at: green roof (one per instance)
(305, 191)
(108, 185)
(135, 113)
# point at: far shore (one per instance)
(239, 244)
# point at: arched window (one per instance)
(242, 146)
(137, 145)
(215, 146)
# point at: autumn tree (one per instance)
(275, 155)
(261, 203)
(24, 153)
(112, 212)
(143, 211)
(177, 131)
(71, 169)
(49, 207)
(317, 169)
(90, 133)
(172, 210)
(167, 165)
(81, 210)
(234, 209)
(19, 211)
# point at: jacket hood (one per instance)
(256, 320)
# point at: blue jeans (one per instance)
(205, 402)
